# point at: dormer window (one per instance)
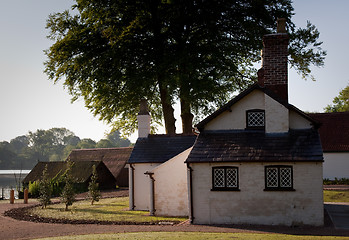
(255, 119)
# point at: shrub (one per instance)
(93, 191)
(68, 193)
(45, 189)
(33, 188)
(336, 181)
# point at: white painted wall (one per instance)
(253, 205)
(276, 116)
(298, 122)
(141, 185)
(236, 119)
(336, 165)
(171, 189)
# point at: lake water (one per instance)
(9, 179)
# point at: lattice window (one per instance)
(232, 177)
(255, 119)
(285, 177)
(218, 177)
(272, 177)
(278, 178)
(225, 178)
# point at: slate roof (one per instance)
(160, 148)
(81, 171)
(334, 131)
(255, 146)
(114, 158)
(256, 86)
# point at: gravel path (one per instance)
(16, 229)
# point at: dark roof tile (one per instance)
(334, 131)
(160, 148)
(251, 146)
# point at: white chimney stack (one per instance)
(143, 120)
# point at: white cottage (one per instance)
(258, 159)
(149, 152)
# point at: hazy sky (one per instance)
(29, 101)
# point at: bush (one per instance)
(68, 193)
(45, 189)
(33, 189)
(336, 181)
(93, 190)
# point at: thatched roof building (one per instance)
(81, 172)
(114, 158)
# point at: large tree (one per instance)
(113, 53)
(340, 103)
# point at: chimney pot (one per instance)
(144, 120)
(143, 107)
(281, 25)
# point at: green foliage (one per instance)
(45, 189)
(93, 190)
(86, 143)
(34, 188)
(336, 181)
(68, 192)
(340, 103)
(113, 53)
(54, 144)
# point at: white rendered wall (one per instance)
(141, 185)
(253, 205)
(298, 122)
(276, 116)
(236, 119)
(171, 192)
(336, 165)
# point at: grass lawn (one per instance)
(336, 196)
(108, 209)
(194, 236)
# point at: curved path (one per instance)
(15, 229)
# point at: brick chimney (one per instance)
(274, 72)
(143, 119)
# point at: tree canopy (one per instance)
(54, 144)
(340, 103)
(113, 53)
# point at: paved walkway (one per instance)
(339, 214)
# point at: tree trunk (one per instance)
(168, 111)
(186, 115)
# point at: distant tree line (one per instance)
(55, 144)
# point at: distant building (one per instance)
(114, 159)
(81, 173)
(334, 134)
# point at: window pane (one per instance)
(285, 177)
(218, 177)
(232, 177)
(255, 119)
(272, 177)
